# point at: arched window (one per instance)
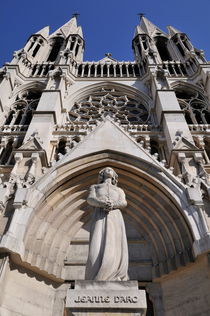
(36, 49)
(73, 39)
(161, 44)
(123, 108)
(32, 44)
(22, 110)
(180, 45)
(35, 43)
(144, 42)
(56, 46)
(185, 41)
(194, 105)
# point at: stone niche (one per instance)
(106, 298)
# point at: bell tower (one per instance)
(67, 43)
(150, 42)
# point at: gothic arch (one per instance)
(156, 204)
(187, 86)
(193, 103)
(89, 89)
(123, 103)
(34, 85)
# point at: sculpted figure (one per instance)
(108, 250)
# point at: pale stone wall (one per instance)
(25, 294)
(186, 293)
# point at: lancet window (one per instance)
(35, 45)
(22, 110)
(182, 44)
(162, 46)
(57, 43)
(185, 41)
(195, 107)
(121, 107)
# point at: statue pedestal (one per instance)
(106, 298)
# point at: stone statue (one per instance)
(108, 250)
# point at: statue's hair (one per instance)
(101, 176)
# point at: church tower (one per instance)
(63, 120)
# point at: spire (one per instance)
(69, 28)
(147, 27)
(44, 31)
(139, 30)
(172, 31)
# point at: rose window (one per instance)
(121, 108)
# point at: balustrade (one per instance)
(199, 127)
(109, 70)
(116, 69)
(177, 69)
(13, 128)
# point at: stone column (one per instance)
(169, 113)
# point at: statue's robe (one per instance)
(108, 249)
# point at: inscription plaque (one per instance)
(132, 299)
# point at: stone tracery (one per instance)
(121, 107)
(195, 107)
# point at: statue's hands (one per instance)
(108, 206)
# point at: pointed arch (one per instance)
(91, 88)
(186, 85)
(35, 85)
(156, 205)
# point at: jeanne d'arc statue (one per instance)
(108, 249)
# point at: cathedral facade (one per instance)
(62, 121)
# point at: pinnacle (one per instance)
(69, 28)
(172, 31)
(44, 31)
(147, 27)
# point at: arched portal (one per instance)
(156, 218)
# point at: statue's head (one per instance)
(107, 173)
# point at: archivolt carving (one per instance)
(121, 107)
(59, 217)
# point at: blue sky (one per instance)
(108, 26)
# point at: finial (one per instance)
(141, 15)
(108, 54)
(75, 15)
